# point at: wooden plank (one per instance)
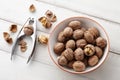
(39, 69)
(21, 9)
(96, 8)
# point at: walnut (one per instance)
(79, 54)
(75, 25)
(88, 37)
(78, 34)
(13, 28)
(98, 51)
(49, 13)
(7, 37)
(70, 44)
(68, 53)
(89, 50)
(94, 31)
(43, 39)
(93, 60)
(45, 22)
(28, 30)
(58, 48)
(68, 32)
(81, 43)
(61, 37)
(101, 42)
(32, 8)
(79, 66)
(62, 61)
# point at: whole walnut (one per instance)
(94, 32)
(79, 66)
(77, 34)
(98, 51)
(68, 31)
(68, 53)
(28, 30)
(81, 43)
(75, 25)
(101, 42)
(62, 61)
(79, 54)
(89, 50)
(70, 44)
(61, 37)
(88, 37)
(70, 64)
(58, 48)
(93, 60)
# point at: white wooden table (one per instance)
(106, 12)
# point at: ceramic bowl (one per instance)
(86, 22)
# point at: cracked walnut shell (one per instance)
(7, 37)
(89, 50)
(32, 8)
(13, 28)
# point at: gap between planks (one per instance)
(79, 12)
(114, 52)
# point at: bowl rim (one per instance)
(62, 68)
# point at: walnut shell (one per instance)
(62, 61)
(88, 37)
(49, 13)
(13, 28)
(61, 37)
(58, 48)
(28, 30)
(98, 51)
(94, 31)
(101, 42)
(68, 53)
(79, 66)
(78, 34)
(93, 60)
(70, 44)
(68, 32)
(32, 8)
(89, 50)
(75, 25)
(81, 43)
(79, 54)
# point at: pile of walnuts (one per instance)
(79, 47)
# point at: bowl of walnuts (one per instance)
(78, 45)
